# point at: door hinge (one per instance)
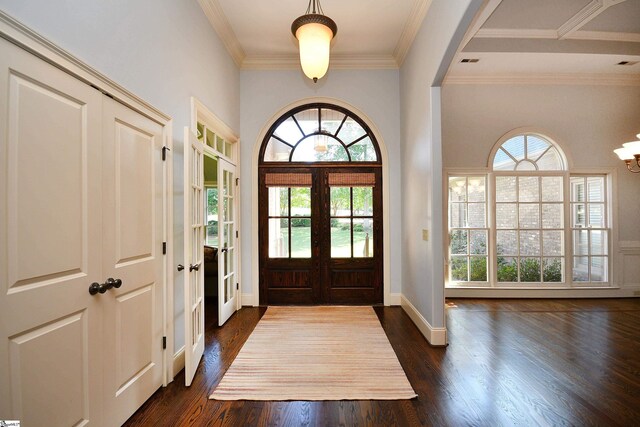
(236, 234)
(164, 152)
(164, 248)
(237, 286)
(164, 343)
(237, 181)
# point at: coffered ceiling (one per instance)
(509, 41)
(552, 41)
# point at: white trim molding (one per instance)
(246, 300)
(546, 79)
(629, 270)
(395, 299)
(410, 30)
(338, 62)
(590, 292)
(221, 25)
(178, 362)
(436, 336)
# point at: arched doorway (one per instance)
(320, 209)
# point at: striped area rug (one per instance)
(316, 353)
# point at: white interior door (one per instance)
(194, 254)
(228, 256)
(132, 209)
(50, 243)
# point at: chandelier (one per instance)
(314, 31)
(630, 153)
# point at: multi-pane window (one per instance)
(289, 222)
(468, 232)
(320, 133)
(529, 228)
(589, 229)
(546, 228)
(211, 237)
(351, 214)
(215, 141)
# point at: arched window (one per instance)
(320, 133)
(530, 221)
(528, 152)
(320, 220)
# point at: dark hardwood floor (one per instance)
(509, 362)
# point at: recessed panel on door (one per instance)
(49, 369)
(134, 193)
(132, 188)
(50, 243)
(47, 146)
(134, 335)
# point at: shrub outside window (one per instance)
(529, 222)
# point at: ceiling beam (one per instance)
(584, 16)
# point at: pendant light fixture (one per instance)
(314, 31)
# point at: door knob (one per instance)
(180, 267)
(96, 287)
(195, 267)
(112, 283)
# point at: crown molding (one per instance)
(337, 62)
(547, 79)
(410, 30)
(220, 24)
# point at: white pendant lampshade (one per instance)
(314, 32)
(624, 153)
(633, 146)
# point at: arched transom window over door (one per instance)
(320, 209)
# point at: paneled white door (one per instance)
(228, 258)
(50, 240)
(81, 201)
(132, 209)
(194, 230)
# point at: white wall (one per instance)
(422, 268)
(164, 51)
(264, 93)
(588, 122)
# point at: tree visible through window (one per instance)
(320, 133)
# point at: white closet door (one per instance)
(193, 254)
(132, 209)
(50, 242)
(228, 257)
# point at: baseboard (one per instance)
(246, 300)
(626, 292)
(435, 336)
(394, 299)
(178, 362)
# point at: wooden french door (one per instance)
(320, 235)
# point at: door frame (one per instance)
(17, 33)
(388, 298)
(200, 113)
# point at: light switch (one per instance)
(425, 234)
